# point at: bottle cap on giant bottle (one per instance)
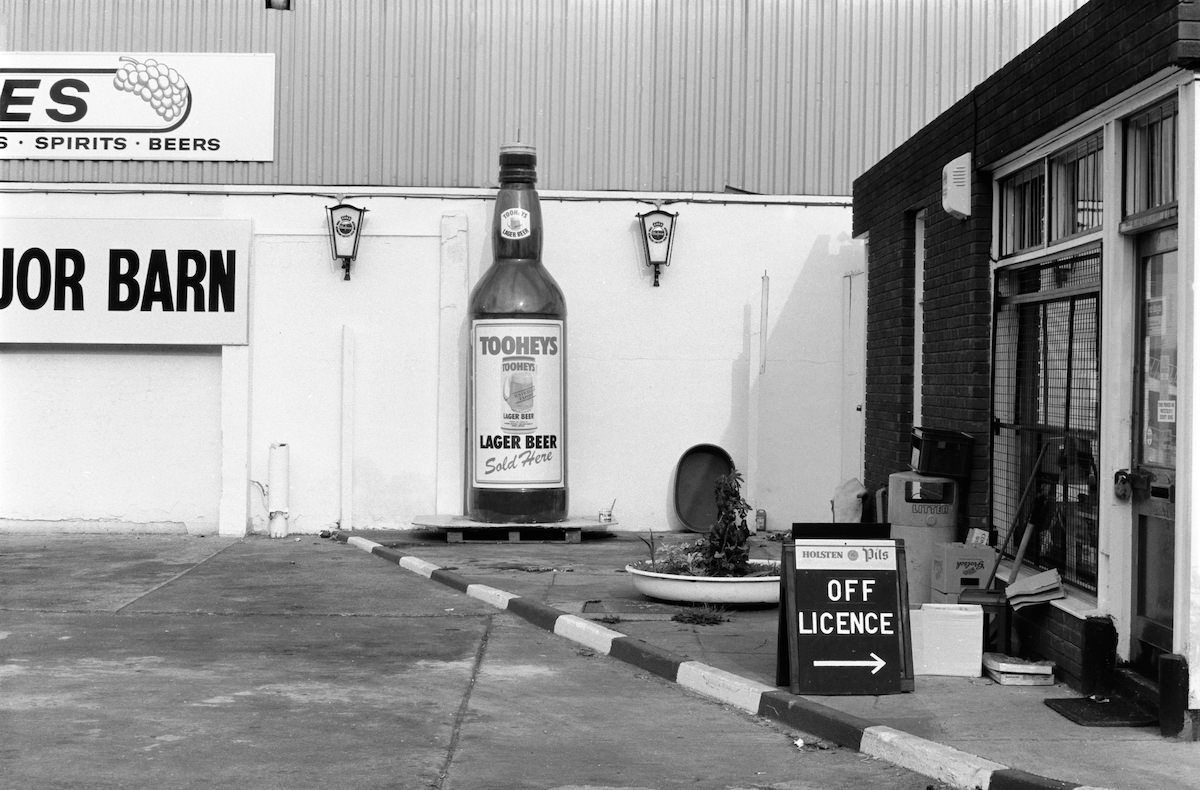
(518, 162)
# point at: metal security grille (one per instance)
(1077, 188)
(1150, 158)
(1023, 209)
(1046, 411)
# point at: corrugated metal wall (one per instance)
(768, 96)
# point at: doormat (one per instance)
(1101, 711)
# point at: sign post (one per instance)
(844, 617)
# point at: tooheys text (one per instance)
(490, 345)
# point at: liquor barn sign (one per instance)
(124, 281)
(137, 106)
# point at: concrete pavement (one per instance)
(398, 660)
(966, 732)
(157, 661)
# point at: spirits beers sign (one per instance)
(125, 281)
(518, 404)
(137, 106)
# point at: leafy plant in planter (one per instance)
(723, 552)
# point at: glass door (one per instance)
(1155, 419)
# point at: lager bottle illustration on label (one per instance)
(517, 453)
(518, 390)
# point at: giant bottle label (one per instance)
(518, 396)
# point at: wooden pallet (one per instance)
(513, 535)
(459, 529)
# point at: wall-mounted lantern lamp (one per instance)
(345, 227)
(658, 231)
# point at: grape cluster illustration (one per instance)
(163, 87)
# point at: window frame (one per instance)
(1063, 179)
(1029, 219)
(1136, 139)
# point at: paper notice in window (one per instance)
(1166, 411)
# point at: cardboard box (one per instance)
(947, 640)
(957, 567)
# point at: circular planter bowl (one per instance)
(706, 589)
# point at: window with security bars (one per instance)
(1046, 414)
(1077, 188)
(1022, 210)
(1054, 198)
(1150, 142)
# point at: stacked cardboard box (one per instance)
(945, 640)
(957, 567)
(1011, 671)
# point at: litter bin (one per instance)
(923, 510)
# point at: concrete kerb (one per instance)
(944, 763)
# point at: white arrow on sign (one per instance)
(878, 663)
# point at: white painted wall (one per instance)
(651, 371)
(118, 437)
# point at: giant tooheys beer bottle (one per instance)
(517, 458)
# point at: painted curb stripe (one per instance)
(586, 633)
(451, 579)
(1014, 779)
(721, 685)
(828, 723)
(391, 555)
(417, 566)
(362, 543)
(926, 757)
(497, 598)
(535, 612)
(649, 657)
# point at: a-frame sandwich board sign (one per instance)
(843, 613)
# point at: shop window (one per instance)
(1022, 210)
(1150, 151)
(1064, 191)
(1046, 413)
(1077, 189)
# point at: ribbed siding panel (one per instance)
(771, 96)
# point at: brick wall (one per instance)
(1083, 650)
(1053, 634)
(957, 314)
(1104, 48)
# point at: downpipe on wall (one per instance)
(277, 490)
(346, 487)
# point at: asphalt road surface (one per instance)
(174, 662)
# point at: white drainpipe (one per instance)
(346, 518)
(277, 491)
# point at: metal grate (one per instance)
(1045, 413)
(1077, 188)
(1150, 158)
(1022, 209)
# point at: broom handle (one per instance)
(1020, 555)
(1025, 537)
